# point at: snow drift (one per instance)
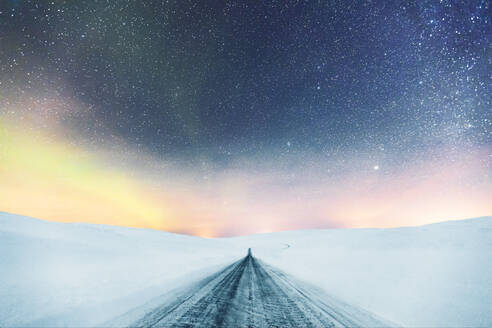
(62, 274)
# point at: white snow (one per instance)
(437, 275)
(61, 274)
(58, 274)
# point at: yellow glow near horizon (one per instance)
(48, 179)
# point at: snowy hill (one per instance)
(52, 272)
(55, 274)
(428, 276)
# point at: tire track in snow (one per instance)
(251, 294)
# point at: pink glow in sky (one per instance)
(48, 178)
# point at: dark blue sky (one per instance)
(215, 79)
(219, 118)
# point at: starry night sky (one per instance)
(311, 93)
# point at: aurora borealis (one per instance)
(233, 118)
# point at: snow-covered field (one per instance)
(82, 274)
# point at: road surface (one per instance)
(251, 294)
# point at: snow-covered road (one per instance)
(249, 293)
(84, 275)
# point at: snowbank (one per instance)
(428, 276)
(56, 274)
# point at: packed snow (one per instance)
(66, 274)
